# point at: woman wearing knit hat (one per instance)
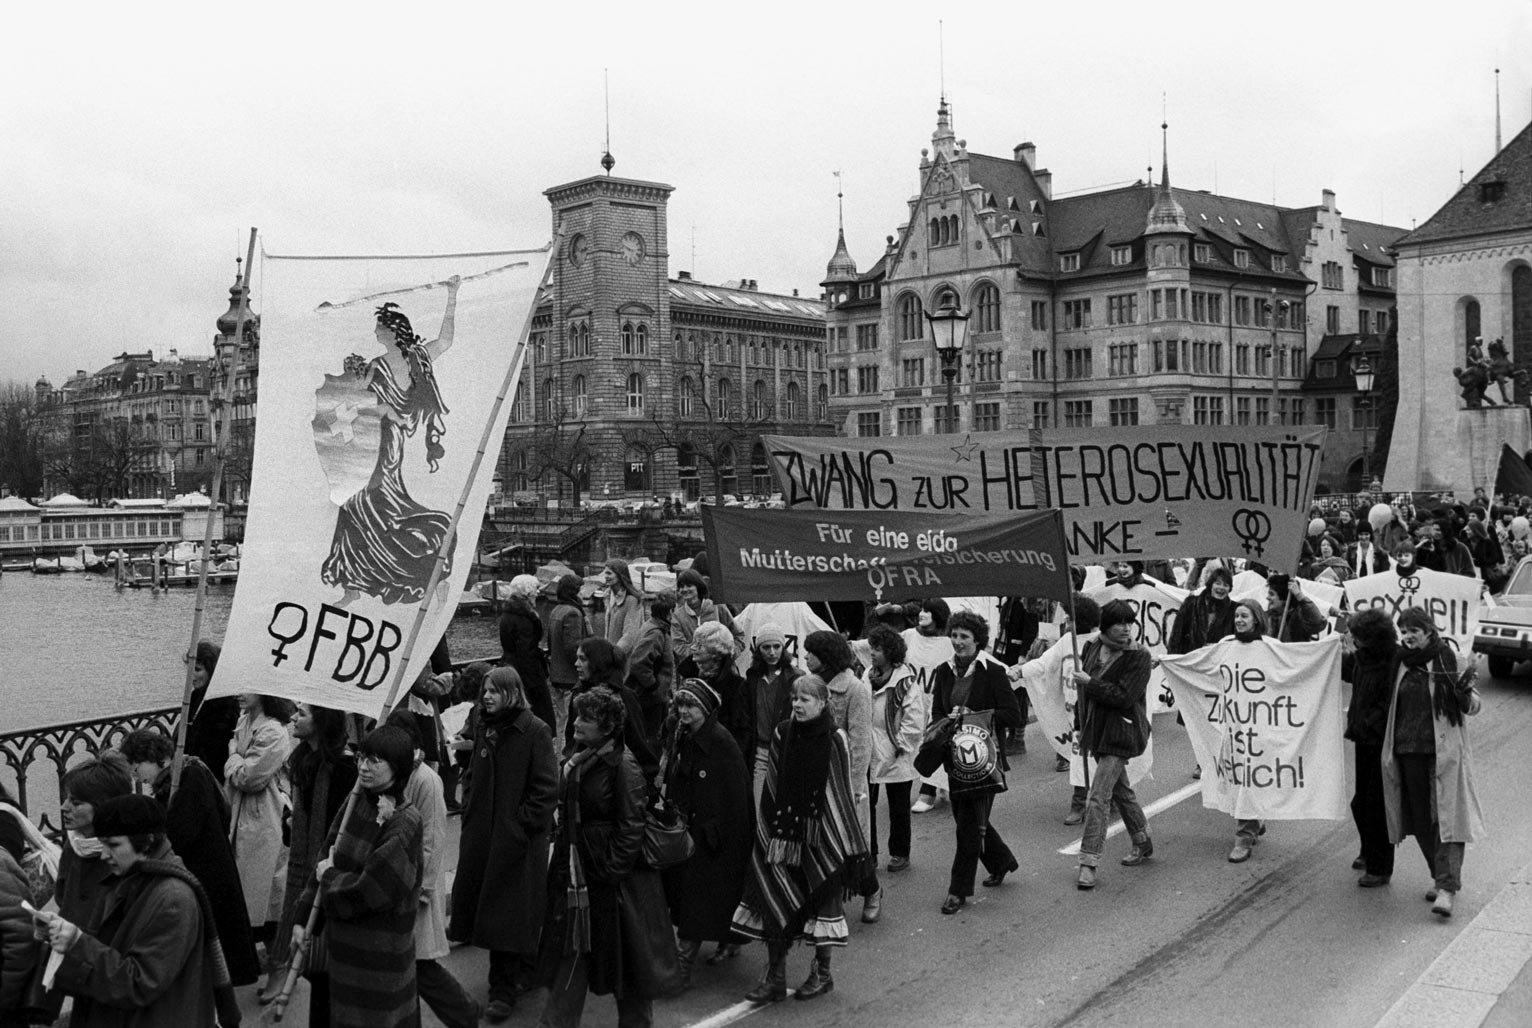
(769, 690)
(706, 780)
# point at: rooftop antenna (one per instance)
(941, 59)
(1497, 110)
(607, 160)
(694, 249)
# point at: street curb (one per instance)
(1462, 985)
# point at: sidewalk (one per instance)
(1484, 978)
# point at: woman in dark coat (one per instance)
(1367, 655)
(1206, 616)
(712, 660)
(521, 647)
(599, 664)
(589, 945)
(368, 891)
(652, 663)
(706, 780)
(974, 681)
(210, 723)
(499, 893)
(197, 826)
(82, 872)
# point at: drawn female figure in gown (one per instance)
(385, 541)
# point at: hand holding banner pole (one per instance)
(1074, 646)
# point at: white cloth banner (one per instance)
(796, 621)
(1051, 686)
(1266, 725)
(1156, 605)
(1451, 600)
(378, 378)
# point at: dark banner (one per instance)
(782, 555)
(1149, 491)
(1514, 477)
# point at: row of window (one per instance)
(911, 420)
(689, 403)
(1167, 254)
(1367, 322)
(1180, 356)
(1177, 304)
(88, 528)
(635, 340)
(984, 307)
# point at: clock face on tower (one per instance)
(632, 247)
(578, 247)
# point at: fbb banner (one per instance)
(1266, 723)
(762, 555)
(1149, 491)
(378, 379)
(1451, 600)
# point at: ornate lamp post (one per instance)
(1361, 371)
(949, 330)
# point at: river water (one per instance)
(72, 647)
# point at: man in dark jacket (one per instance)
(1366, 658)
(1113, 680)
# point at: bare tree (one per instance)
(21, 440)
(720, 438)
(563, 446)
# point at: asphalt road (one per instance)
(1285, 939)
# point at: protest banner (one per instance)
(1451, 600)
(381, 380)
(1155, 605)
(1050, 684)
(776, 555)
(1266, 724)
(1150, 491)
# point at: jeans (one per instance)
(446, 998)
(1108, 788)
(898, 818)
(1248, 830)
(1367, 811)
(1445, 859)
(566, 1000)
(977, 840)
(758, 780)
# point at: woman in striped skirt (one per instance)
(808, 845)
(369, 893)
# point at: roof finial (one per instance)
(607, 160)
(941, 58)
(1497, 110)
(239, 263)
(840, 204)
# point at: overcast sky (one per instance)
(139, 143)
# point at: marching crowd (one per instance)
(631, 805)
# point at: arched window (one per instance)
(1471, 329)
(790, 408)
(643, 339)
(519, 471)
(577, 388)
(823, 413)
(686, 471)
(635, 393)
(911, 321)
(724, 401)
(986, 308)
(519, 404)
(629, 339)
(760, 470)
(635, 472)
(550, 404)
(686, 396)
(579, 338)
(728, 475)
(758, 406)
(680, 346)
(936, 232)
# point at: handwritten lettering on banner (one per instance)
(1266, 724)
(1451, 600)
(779, 555)
(1155, 491)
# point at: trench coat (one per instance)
(500, 891)
(255, 781)
(893, 756)
(424, 792)
(851, 706)
(142, 961)
(708, 783)
(1458, 816)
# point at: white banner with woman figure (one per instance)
(379, 379)
(1266, 724)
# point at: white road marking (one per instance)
(1163, 803)
(728, 1015)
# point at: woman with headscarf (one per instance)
(1367, 659)
(197, 828)
(652, 664)
(1249, 625)
(705, 778)
(521, 647)
(567, 625)
(898, 721)
(82, 870)
(806, 839)
(368, 891)
(1428, 779)
(712, 660)
(255, 782)
(769, 686)
(589, 945)
(499, 894)
(624, 613)
(320, 772)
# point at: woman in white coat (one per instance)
(255, 781)
(898, 721)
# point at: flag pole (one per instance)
(1074, 646)
(295, 958)
(221, 404)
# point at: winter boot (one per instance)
(819, 981)
(772, 988)
(686, 957)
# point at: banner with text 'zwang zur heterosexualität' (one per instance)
(1150, 491)
(378, 377)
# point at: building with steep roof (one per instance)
(1132, 305)
(1465, 274)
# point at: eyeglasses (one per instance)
(371, 758)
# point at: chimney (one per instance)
(1327, 199)
(173, 353)
(684, 276)
(1026, 153)
(795, 291)
(1044, 181)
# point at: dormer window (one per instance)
(1069, 262)
(1242, 258)
(1382, 276)
(1491, 192)
(864, 291)
(1202, 252)
(1278, 263)
(1122, 255)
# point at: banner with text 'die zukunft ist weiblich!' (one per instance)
(378, 379)
(764, 555)
(1149, 491)
(1266, 724)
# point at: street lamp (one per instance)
(1272, 307)
(949, 330)
(1361, 370)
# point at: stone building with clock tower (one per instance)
(638, 385)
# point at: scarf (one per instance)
(1251, 636)
(801, 776)
(1444, 700)
(893, 710)
(85, 847)
(577, 937)
(224, 999)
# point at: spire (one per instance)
(239, 296)
(943, 139)
(607, 160)
(1497, 110)
(841, 267)
(1167, 214)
